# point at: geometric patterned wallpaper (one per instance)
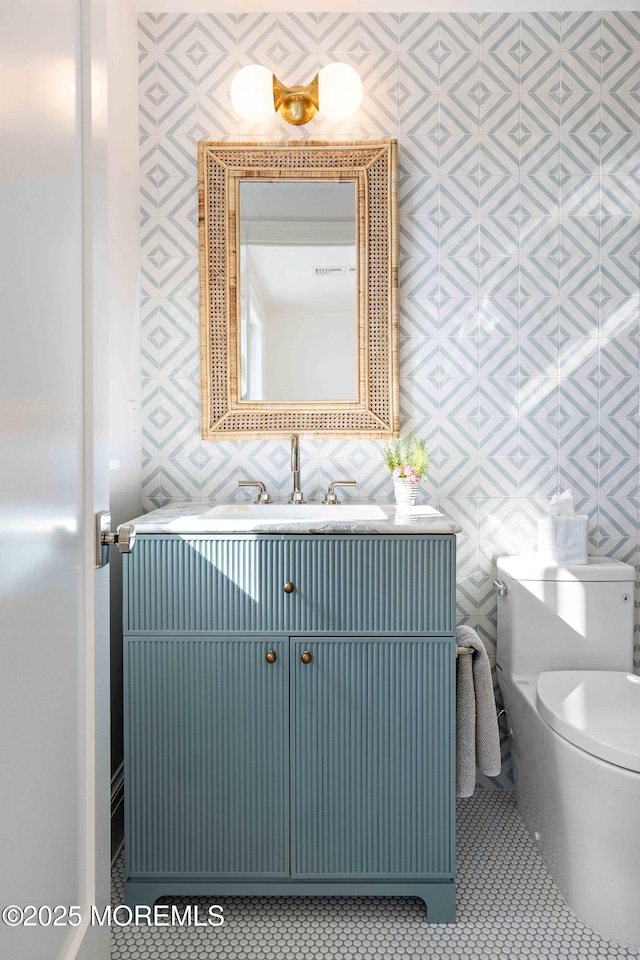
(519, 217)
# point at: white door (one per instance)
(53, 477)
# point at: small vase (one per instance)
(406, 492)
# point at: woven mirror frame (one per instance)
(372, 164)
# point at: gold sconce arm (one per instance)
(296, 104)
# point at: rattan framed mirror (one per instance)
(236, 399)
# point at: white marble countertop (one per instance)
(190, 518)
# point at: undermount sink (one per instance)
(296, 512)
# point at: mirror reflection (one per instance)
(298, 290)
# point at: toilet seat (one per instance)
(598, 711)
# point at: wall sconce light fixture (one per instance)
(336, 91)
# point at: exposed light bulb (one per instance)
(339, 91)
(252, 93)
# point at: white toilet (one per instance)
(565, 652)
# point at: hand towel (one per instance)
(477, 735)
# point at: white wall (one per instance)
(307, 358)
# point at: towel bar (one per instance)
(462, 651)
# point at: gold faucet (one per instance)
(296, 493)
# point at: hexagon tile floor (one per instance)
(508, 909)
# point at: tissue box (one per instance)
(564, 539)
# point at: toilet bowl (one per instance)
(564, 660)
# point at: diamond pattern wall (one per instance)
(519, 185)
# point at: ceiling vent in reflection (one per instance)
(333, 271)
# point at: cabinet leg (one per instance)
(441, 903)
(141, 894)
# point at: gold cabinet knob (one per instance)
(306, 656)
(288, 587)
(272, 656)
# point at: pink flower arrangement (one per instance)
(405, 472)
(407, 459)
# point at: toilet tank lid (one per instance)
(534, 567)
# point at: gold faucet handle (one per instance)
(331, 496)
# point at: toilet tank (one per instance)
(574, 617)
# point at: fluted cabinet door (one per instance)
(207, 757)
(372, 765)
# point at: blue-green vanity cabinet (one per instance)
(297, 742)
